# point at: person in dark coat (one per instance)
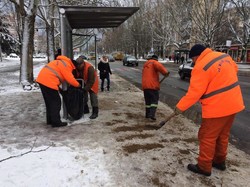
(182, 59)
(58, 52)
(105, 72)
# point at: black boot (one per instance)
(147, 115)
(195, 168)
(86, 109)
(220, 166)
(152, 113)
(94, 113)
(62, 124)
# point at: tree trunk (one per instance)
(51, 43)
(26, 70)
(50, 32)
(26, 74)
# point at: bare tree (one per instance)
(180, 25)
(243, 11)
(27, 11)
(46, 11)
(206, 16)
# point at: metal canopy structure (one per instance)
(85, 17)
(97, 17)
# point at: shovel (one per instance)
(161, 124)
(163, 79)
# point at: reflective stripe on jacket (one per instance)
(150, 74)
(94, 88)
(56, 72)
(214, 83)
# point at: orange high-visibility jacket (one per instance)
(150, 74)
(57, 72)
(214, 83)
(94, 88)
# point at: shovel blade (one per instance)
(162, 123)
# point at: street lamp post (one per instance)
(228, 44)
(1, 59)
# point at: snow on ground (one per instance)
(118, 149)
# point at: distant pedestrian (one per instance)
(177, 58)
(151, 84)
(214, 83)
(86, 71)
(58, 52)
(49, 79)
(105, 72)
(182, 59)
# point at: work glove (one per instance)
(167, 74)
(177, 111)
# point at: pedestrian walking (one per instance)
(49, 79)
(182, 59)
(214, 83)
(105, 72)
(151, 84)
(86, 71)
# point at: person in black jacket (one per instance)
(105, 72)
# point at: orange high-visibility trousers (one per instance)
(213, 137)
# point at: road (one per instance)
(173, 88)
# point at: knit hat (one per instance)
(79, 60)
(154, 57)
(196, 50)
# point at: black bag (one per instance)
(73, 99)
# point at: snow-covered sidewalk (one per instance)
(118, 149)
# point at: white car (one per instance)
(186, 69)
(13, 55)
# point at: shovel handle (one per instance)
(167, 119)
(162, 79)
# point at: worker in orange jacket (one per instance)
(151, 84)
(86, 71)
(214, 83)
(49, 79)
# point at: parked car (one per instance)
(186, 69)
(110, 58)
(40, 55)
(149, 56)
(83, 57)
(130, 60)
(13, 55)
(91, 56)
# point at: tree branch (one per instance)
(30, 151)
